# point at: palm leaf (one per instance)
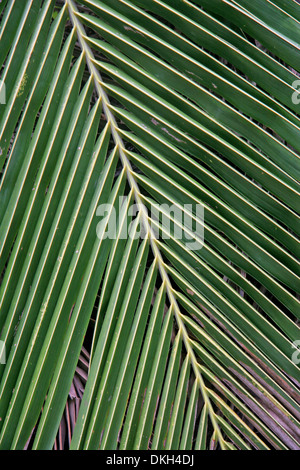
(118, 108)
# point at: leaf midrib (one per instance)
(144, 214)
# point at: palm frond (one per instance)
(142, 112)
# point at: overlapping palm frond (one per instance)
(115, 104)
